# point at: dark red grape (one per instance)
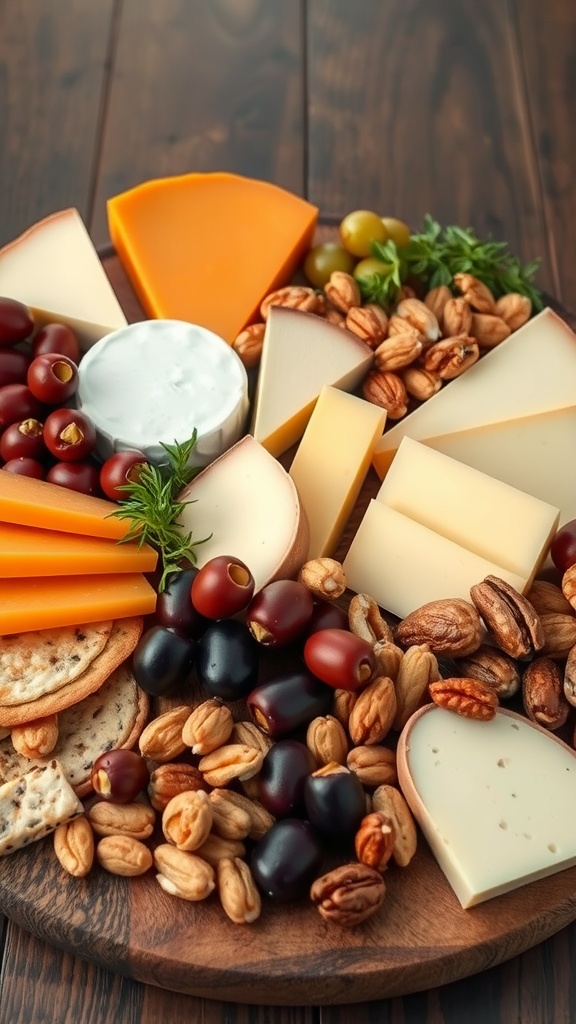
(56, 338)
(280, 612)
(18, 403)
(222, 587)
(76, 476)
(340, 658)
(13, 366)
(563, 546)
(289, 701)
(16, 323)
(25, 467)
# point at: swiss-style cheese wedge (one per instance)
(208, 247)
(55, 270)
(301, 354)
(38, 503)
(27, 551)
(47, 601)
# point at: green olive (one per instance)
(359, 229)
(397, 230)
(366, 268)
(324, 259)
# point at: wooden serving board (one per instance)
(420, 939)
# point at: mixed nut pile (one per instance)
(251, 796)
(418, 347)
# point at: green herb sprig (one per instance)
(154, 512)
(434, 255)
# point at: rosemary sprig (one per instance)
(434, 255)
(154, 512)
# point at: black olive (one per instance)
(162, 660)
(227, 659)
(281, 779)
(293, 699)
(287, 859)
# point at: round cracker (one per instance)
(108, 719)
(122, 641)
(42, 661)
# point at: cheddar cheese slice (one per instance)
(30, 502)
(55, 270)
(208, 247)
(27, 551)
(48, 601)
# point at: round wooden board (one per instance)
(421, 938)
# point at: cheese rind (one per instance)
(181, 378)
(26, 551)
(403, 564)
(301, 354)
(530, 373)
(39, 503)
(496, 800)
(331, 463)
(505, 525)
(47, 601)
(55, 270)
(208, 247)
(247, 506)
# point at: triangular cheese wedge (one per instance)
(532, 372)
(54, 269)
(301, 354)
(209, 247)
(533, 454)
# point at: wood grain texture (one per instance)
(418, 106)
(210, 85)
(52, 80)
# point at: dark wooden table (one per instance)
(463, 110)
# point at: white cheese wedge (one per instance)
(54, 269)
(530, 373)
(331, 463)
(495, 800)
(535, 454)
(248, 506)
(157, 381)
(478, 512)
(301, 353)
(403, 564)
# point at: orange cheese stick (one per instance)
(47, 506)
(26, 551)
(207, 248)
(28, 604)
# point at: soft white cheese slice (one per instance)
(496, 800)
(157, 381)
(55, 270)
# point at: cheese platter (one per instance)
(421, 937)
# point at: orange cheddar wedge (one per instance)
(26, 551)
(47, 506)
(207, 248)
(47, 601)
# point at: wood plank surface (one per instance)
(462, 110)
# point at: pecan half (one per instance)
(420, 383)
(122, 855)
(543, 694)
(397, 352)
(324, 577)
(326, 738)
(343, 291)
(489, 330)
(514, 309)
(546, 597)
(419, 316)
(368, 322)
(456, 317)
(436, 300)
(494, 668)
(366, 620)
(183, 874)
(74, 846)
(230, 820)
(207, 727)
(386, 390)
(237, 890)
(389, 801)
(374, 765)
(233, 761)
(373, 713)
(161, 740)
(349, 894)
(450, 626)
(418, 668)
(187, 819)
(135, 820)
(294, 296)
(559, 634)
(217, 847)
(467, 697)
(374, 840)
(450, 357)
(509, 616)
(477, 294)
(167, 780)
(249, 343)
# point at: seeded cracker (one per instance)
(33, 805)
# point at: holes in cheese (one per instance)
(496, 800)
(38, 503)
(331, 463)
(47, 601)
(54, 269)
(208, 247)
(250, 505)
(482, 514)
(301, 353)
(26, 551)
